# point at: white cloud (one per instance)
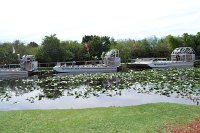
(31, 20)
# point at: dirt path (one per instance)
(193, 127)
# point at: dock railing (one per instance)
(143, 59)
(50, 65)
(9, 66)
(47, 65)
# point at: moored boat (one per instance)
(110, 63)
(26, 66)
(180, 57)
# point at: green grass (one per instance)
(147, 118)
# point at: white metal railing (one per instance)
(146, 60)
(9, 66)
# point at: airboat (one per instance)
(26, 66)
(110, 62)
(180, 57)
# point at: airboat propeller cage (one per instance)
(28, 63)
(186, 54)
(112, 58)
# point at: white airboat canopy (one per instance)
(28, 63)
(186, 54)
(112, 58)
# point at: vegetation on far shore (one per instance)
(151, 118)
(52, 49)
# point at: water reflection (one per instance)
(97, 90)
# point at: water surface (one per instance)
(97, 90)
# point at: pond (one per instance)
(64, 91)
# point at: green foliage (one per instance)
(124, 47)
(33, 44)
(9, 51)
(197, 41)
(97, 45)
(188, 40)
(6, 54)
(51, 49)
(73, 50)
(160, 50)
(40, 55)
(173, 42)
(142, 48)
(179, 83)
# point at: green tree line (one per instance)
(52, 49)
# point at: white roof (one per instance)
(183, 50)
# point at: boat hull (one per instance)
(84, 69)
(8, 74)
(138, 65)
(161, 64)
(171, 64)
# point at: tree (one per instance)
(51, 49)
(142, 48)
(33, 44)
(124, 47)
(197, 41)
(188, 40)
(40, 56)
(161, 50)
(97, 45)
(73, 50)
(6, 54)
(173, 42)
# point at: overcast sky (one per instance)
(32, 20)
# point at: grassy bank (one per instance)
(137, 119)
